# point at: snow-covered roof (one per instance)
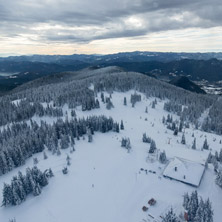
(185, 171)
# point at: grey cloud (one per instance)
(101, 19)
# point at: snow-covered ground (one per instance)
(105, 183)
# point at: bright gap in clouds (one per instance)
(190, 40)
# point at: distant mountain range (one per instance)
(16, 70)
(137, 56)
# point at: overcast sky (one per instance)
(109, 26)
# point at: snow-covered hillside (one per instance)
(105, 183)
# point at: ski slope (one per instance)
(105, 183)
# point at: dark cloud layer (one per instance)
(87, 20)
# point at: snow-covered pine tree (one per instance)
(128, 145)
(175, 133)
(220, 156)
(7, 195)
(97, 105)
(205, 145)
(68, 160)
(162, 157)
(208, 212)
(58, 152)
(123, 142)
(170, 217)
(152, 147)
(186, 200)
(64, 142)
(146, 139)
(35, 160)
(121, 125)
(194, 144)
(200, 216)
(193, 206)
(125, 101)
(218, 179)
(102, 97)
(183, 140)
(45, 155)
(216, 156)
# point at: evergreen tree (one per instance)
(183, 140)
(58, 152)
(162, 157)
(216, 156)
(64, 143)
(220, 156)
(186, 200)
(219, 178)
(121, 125)
(102, 97)
(200, 217)
(35, 160)
(123, 142)
(152, 147)
(97, 104)
(7, 195)
(194, 144)
(170, 217)
(205, 145)
(208, 212)
(175, 133)
(45, 156)
(193, 206)
(128, 145)
(125, 102)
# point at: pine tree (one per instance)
(170, 217)
(102, 97)
(183, 140)
(35, 160)
(220, 156)
(97, 106)
(68, 160)
(162, 157)
(180, 126)
(123, 142)
(218, 179)
(121, 125)
(175, 133)
(163, 120)
(216, 156)
(128, 145)
(208, 212)
(193, 205)
(58, 152)
(186, 200)
(50, 173)
(152, 147)
(205, 145)
(65, 170)
(7, 195)
(125, 102)
(194, 144)
(45, 155)
(200, 217)
(64, 143)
